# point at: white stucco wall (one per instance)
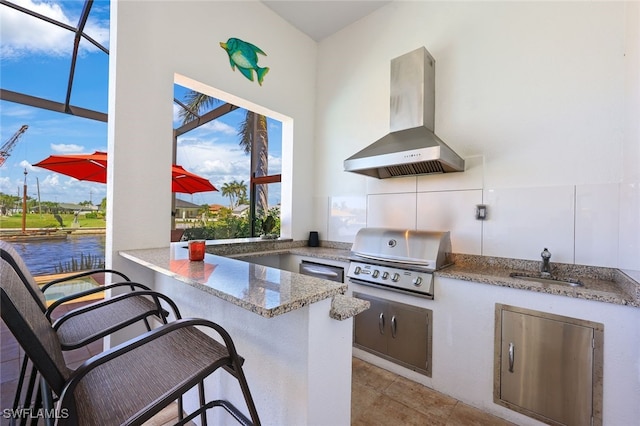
(630, 188)
(537, 96)
(514, 82)
(151, 43)
(632, 92)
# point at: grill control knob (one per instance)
(375, 273)
(385, 275)
(417, 281)
(357, 270)
(395, 278)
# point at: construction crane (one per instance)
(5, 149)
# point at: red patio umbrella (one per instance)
(187, 182)
(93, 168)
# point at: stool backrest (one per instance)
(13, 258)
(28, 324)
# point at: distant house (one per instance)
(215, 208)
(72, 208)
(241, 210)
(186, 210)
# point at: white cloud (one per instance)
(24, 35)
(16, 110)
(275, 163)
(56, 187)
(6, 186)
(220, 127)
(66, 148)
(51, 180)
(24, 164)
(210, 159)
(176, 115)
(215, 127)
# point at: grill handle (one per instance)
(392, 259)
(512, 350)
(394, 326)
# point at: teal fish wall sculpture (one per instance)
(245, 56)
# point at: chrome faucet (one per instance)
(545, 267)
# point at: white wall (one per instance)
(630, 188)
(154, 41)
(538, 97)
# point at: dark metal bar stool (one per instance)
(131, 382)
(87, 324)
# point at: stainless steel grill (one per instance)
(399, 260)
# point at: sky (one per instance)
(35, 60)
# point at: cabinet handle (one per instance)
(381, 323)
(394, 326)
(512, 350)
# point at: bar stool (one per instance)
(131, 382)
(92, 322)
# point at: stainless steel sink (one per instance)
(546, 280)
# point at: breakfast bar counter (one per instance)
(297, 349)
(265, 291)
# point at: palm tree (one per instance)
(241, 192)
(236, 191)
(253, 132)
(196, 102)
(254, 139)
(228, 190)
(204, 209)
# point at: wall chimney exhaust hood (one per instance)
(411, 147)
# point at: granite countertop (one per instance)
(600, 284)
(333, 251)
(263, 290)
(270, 292)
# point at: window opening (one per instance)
(240, 152)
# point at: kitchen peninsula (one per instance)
(298, 356)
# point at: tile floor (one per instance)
(379, 397)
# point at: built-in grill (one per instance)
(399, 260)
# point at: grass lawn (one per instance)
(35, 220)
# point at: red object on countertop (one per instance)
(196, 250)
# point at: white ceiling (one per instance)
(319, 19)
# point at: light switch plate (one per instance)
(481, 212)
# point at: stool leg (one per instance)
(23, 372)
(247, 394)
(203, 415)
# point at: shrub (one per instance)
(86, 262)
(230, 226)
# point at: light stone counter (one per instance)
(601, 284)
(265, 291)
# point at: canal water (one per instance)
(42, 257)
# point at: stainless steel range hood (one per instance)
(411, 147)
